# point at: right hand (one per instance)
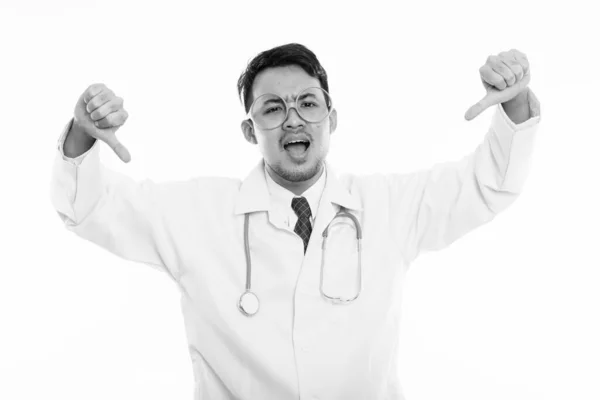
(100, 113)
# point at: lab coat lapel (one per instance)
(254, 196)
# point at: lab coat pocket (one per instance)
(340, 267)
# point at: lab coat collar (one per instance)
(254, 194)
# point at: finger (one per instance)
(521, 58)
(495, 62)
(103, 97)
(492, 77)
(121, 151)
(502, 69)
(113, 105)
(112, 120)
(515, 67)
(92, 91)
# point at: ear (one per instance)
(332, 121)
(248, 131)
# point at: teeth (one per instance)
(297, 141)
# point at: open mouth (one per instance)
(297, 147)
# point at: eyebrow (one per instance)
(288, 98)
(272, 101)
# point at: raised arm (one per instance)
(450, 199)
(100, 205)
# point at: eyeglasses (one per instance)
(269, 111)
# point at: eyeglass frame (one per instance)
(288, 107)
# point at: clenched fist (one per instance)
(99, 113)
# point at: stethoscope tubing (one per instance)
(248, 294)
(247, 251)
(340, 300)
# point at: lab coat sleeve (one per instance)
(106, 207)
(453, 198)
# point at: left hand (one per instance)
(503, 76)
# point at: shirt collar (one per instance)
(254, 193)
(282, 197)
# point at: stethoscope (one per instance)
(249, 304)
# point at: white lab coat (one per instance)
(298, 346)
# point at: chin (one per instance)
(297, 172)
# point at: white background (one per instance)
(510, 311)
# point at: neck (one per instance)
(295, 187)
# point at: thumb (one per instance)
(495, 96)
(478, 108)
(121, 151)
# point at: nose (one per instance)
(293, 120)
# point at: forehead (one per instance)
(285, 81)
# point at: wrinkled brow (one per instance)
(295, 96)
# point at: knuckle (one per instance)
(521, 57)
(92, 105)
(498, 80)
(520, 72)
(101, 123)
(500, 69)
(95, 86)
(115, 119)
(110, 119)
(505, 68)
(507, 73)
(114, 105)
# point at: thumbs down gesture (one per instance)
(504, 77)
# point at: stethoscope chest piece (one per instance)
(248, 303)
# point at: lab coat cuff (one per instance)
(519, 141)
(75, 182)
(61, 143)
(502, 119)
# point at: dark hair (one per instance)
(281, 56)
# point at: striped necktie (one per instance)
(303, 228)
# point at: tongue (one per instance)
(296, 148)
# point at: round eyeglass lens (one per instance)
(270, 111)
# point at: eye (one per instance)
(271, 110)
(309, 104)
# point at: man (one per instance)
(278, 303)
